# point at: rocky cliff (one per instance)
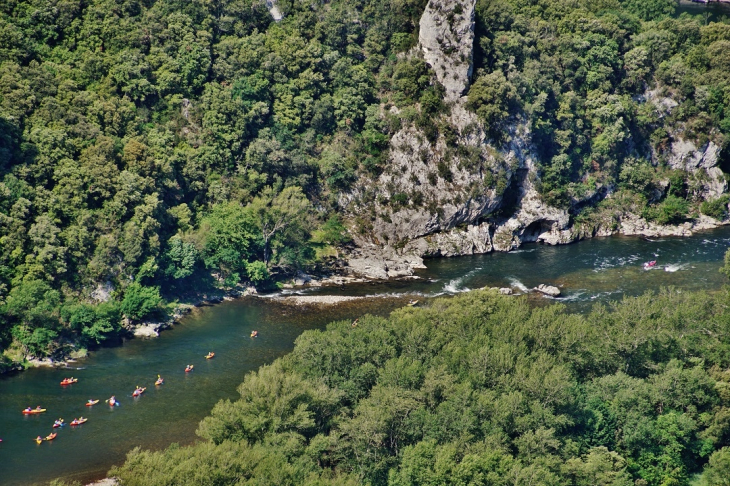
(461, 195)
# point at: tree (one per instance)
(282, 218)
(230, 240)
(140, 301)
(717, 471)
(182, 257)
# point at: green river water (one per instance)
(597, 270)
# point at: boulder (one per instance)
(550, 290)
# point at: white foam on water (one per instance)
(576, 296)
(518, 285)
(614, 262)
(675, 267)
(455, 286)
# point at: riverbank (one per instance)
(388, 265)
(599, 270)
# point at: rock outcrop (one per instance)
(703, 163)
(446, 37)
(453, 193)
(549, 290)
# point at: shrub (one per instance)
(673, 210)
(140, 301)
(716, 208)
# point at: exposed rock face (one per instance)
(102, 292)
(446, 37)
(474, 239)
(458, 195)
(703, 162)
(383, 263)
(274, 10)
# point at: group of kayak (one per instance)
(58, 424)
(112, 401)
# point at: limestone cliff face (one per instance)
(460, 195)
(446, 37)
(447, 189)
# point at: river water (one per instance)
(598, 270)
(710, 12)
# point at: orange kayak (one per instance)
(35, 410)
(51, 437)
(93, 402)
(69, 381)
(78, 421)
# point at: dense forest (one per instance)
(480, 389)
(151, 147)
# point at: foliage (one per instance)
(140, 301)
(673, 210)
(590, 92)
(716, 208)
(159, 141)
(480, 389)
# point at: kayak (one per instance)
(35, 410)
(189, 369)
(38, 440)
(138, 392)
(79, 421)
(93, 402)
(159, 382)
(210, 355)
(254, 333)
(69, 381)
(649, 265)
(57, 425)
(112, 403)
(412, 303)
(51, 437)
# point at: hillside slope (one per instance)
(152, 147)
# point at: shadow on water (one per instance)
(598, 270)
(710, 12)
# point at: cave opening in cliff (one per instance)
(724, 160)
(534, 230)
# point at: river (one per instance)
(711, 12)
(598, 270)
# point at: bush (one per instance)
(673, 210)
(94, 324)
(332, 232)
(140, 301)
(257, 271)
(716, 208)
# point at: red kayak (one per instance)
(649, 265)
(69, 381)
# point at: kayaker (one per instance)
(38, 407)
(39, 439)
(28, 409)
(90, 401)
